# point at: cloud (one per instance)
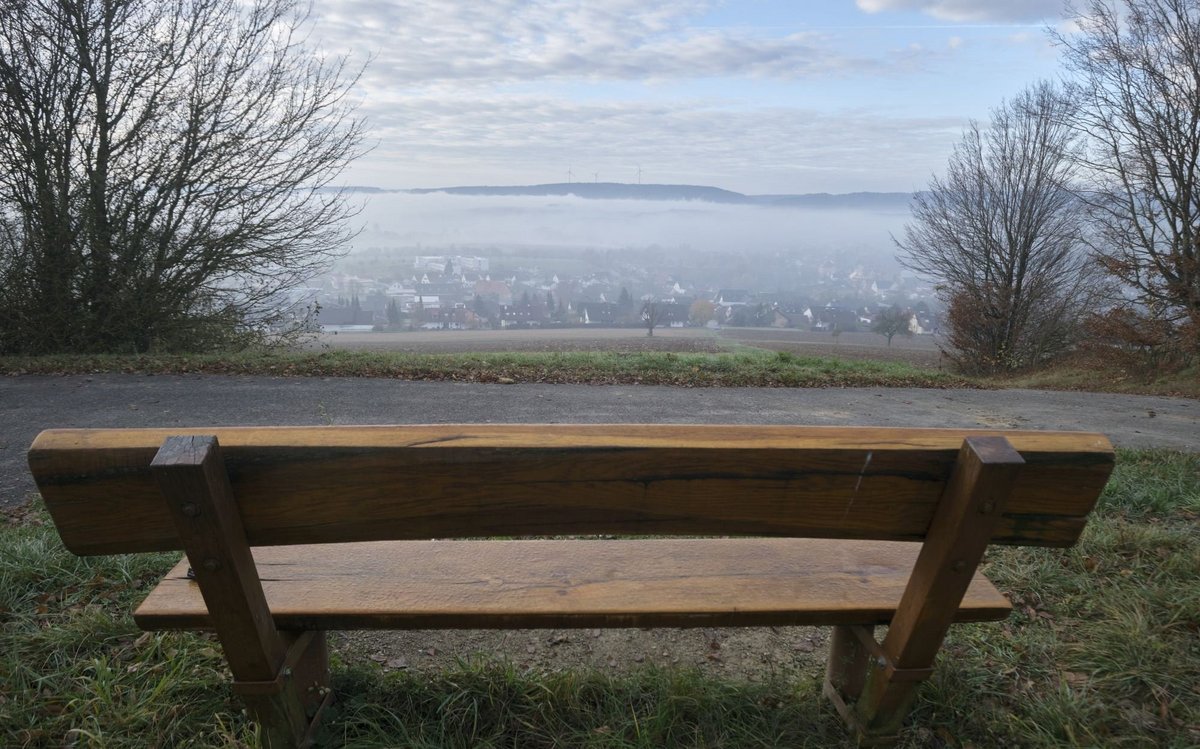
(419, 42)
(517, 91)
(972, 11)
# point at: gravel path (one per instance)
(29, 404)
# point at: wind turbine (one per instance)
(570, 174)
(639, 174)
(595, 176)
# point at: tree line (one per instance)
(1074, 215)
(163, 171)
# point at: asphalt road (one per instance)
(29, 404)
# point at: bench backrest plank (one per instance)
(297, 485)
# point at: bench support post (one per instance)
(983, 477)
(846, 672)
(282, 677)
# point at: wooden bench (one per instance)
(294, 531)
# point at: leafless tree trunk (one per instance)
(1138, 69)
(653, 314)
(163, 166)
(1000, 233)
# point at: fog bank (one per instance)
(437, 220)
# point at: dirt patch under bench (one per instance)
(739, 653)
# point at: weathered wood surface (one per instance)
(846, 670)
(573, 583)
(987, 470)
(193, 479)
(299, 485)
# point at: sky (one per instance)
(757, 96)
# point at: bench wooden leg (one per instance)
(853, 656)
(311, 670)
(846, 672)
(295, 700)
(271, 670)
(983, 477)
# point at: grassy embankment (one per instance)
(1097, 378)
(1102, 650)
(745, 367)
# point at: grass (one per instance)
(743, 366)
(1102, 650)
(749, 367)
(1095, 377)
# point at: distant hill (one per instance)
(620, 191)
(603, 191)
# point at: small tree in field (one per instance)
(701, 312)
(654, 313)
(892, 321)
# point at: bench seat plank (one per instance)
(573, 583)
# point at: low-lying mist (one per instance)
(438, 220)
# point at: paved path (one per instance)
(29, 404)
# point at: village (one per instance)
(473, 292)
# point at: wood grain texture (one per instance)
(299, 485)
(573, 583)
(193, 480)
(192, 477)
(987, 470)
(846, 670)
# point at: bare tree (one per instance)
(1000, 234)
(653, 314)
(163, 169)
(1138, 86)
(892, 321)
